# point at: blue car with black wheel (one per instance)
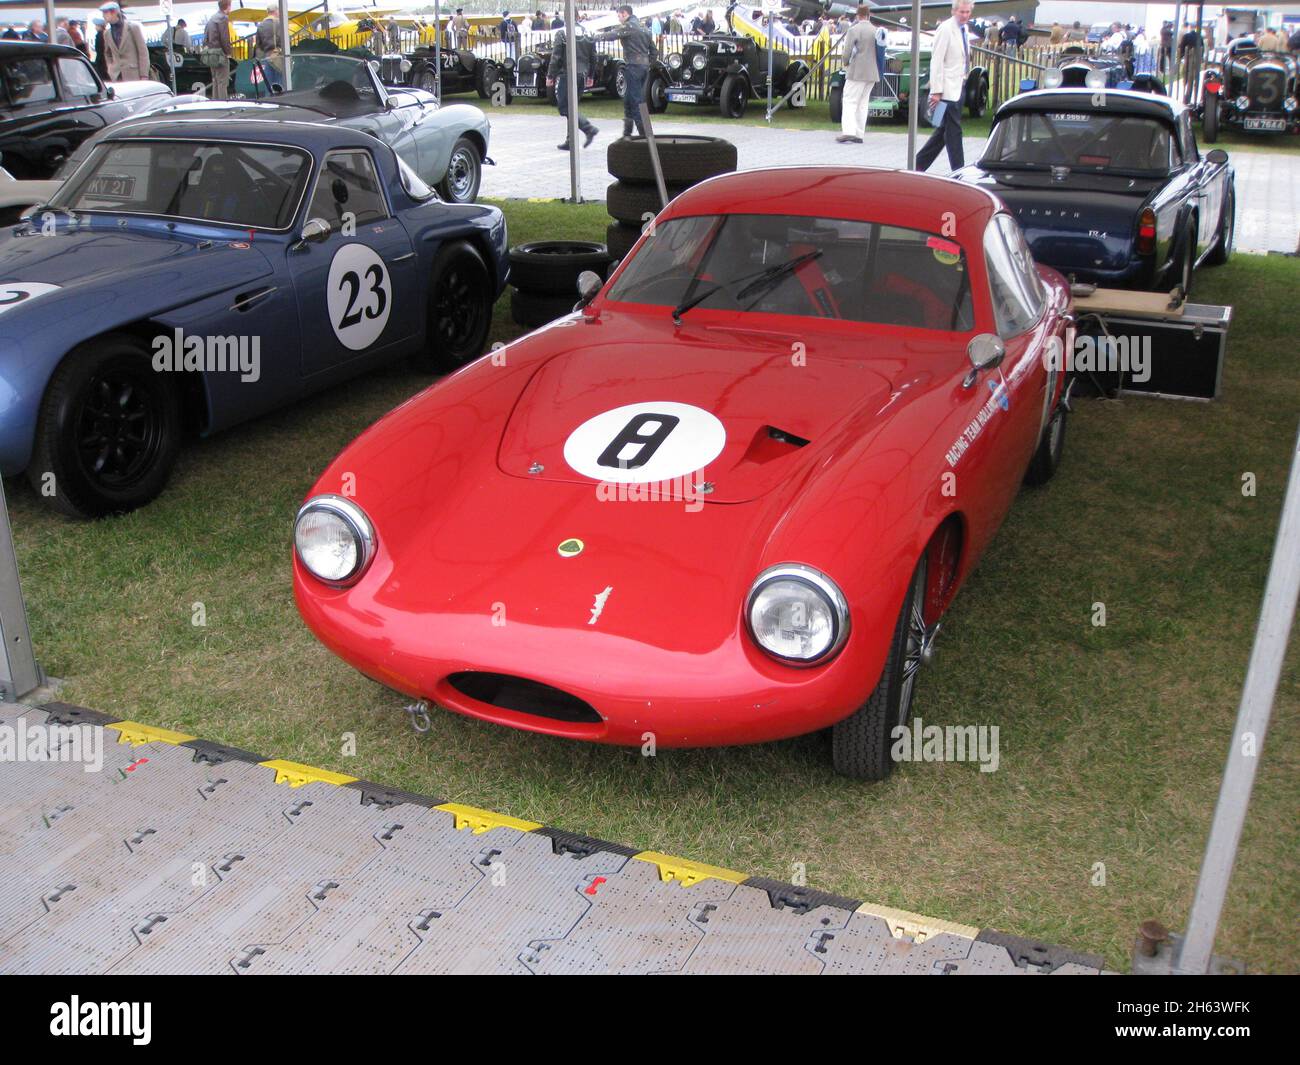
(192, 274)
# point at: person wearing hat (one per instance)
(460, 28)
(509, 33)
(125, 54)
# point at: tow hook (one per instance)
(419, 715)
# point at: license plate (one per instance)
(682, 97)
(526, 90)
(1274, 124)
(110, 187)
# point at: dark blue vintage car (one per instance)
(192, 274)
(1110, 187)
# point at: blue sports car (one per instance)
(191, 274)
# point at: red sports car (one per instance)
(729, 498)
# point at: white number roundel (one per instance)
(12, 295)
(359, 296)
(645, 442)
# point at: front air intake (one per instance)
(524, 696)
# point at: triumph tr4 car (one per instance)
(1110, 187)
(726, 501)
(193, 274)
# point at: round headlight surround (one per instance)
(1095, 79)
(675, 61)
(356, 522)
(1243, 102)
(699, 61)
(837, 606)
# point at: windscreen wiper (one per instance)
(772, 275)
(698, 298)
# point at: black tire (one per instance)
(464, 173)
(553, 95)
(1227, 229)
(532, 311)
(425, 77)
(461, 294)
(619, 239)
(109, 430)
(733, 96)
(632, 203)
(1185, 271)
(1047, 456)
(837, 103)
(860, 744)
(977, 97)
(551, 267)
(484, 78)
(656, 93)
(685, 160)
(616, 86)
(1210, 119)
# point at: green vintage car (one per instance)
(190, 69)
(889, 99)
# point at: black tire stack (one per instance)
(633, 198)
(544, 277)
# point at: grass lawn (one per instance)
(816, 116)
(1112, 739)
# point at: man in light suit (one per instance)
(124, 48)
(949, 65)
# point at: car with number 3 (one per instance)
(191, 274)
(729, 498)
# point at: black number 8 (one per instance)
(647, 443)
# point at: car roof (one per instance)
(242, 121)
(871, 194)
(12, 49)
(1113, 101)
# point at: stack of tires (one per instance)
(544, 277)
(633, 199)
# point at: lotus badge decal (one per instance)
(570, 547)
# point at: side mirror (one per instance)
(314, 231)
(985, 352)
(1217, 156)
(110, 92)
(589, 283)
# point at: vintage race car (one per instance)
(191, 274)
(1110, 187)
(1250, 90)
(725, 70)
(729, 499)
(446, 145)
(52, 100)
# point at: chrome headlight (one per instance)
(797, 614)
(334, 539)
(699, 61)
(675, 61)
(405, 66)
(1052, 78)
(1095, 79)
(1289, 104)
(1243, 102)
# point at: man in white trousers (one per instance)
(861, 52)
(949, 65)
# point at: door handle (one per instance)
(245, 300)
(403, 258)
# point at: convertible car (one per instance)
(191, 274)
(1250, 90)
(726, 501)
(1110, 188)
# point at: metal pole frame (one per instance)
(1267, 657)
(19, 673)
(571, 73)
(914, 95)
(171, 56)
(437, 47)
(284, 44)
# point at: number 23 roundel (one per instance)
(645, 442)
(359, 296)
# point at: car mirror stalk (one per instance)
(985, 351)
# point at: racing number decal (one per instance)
(358, 295)
(13, 295)
(645, 442)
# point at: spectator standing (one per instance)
(639, 52)
(509, 34)
(78, 38)
(1057, 35)
(557, 23)
(61, 34)
(1270, 42)
(36, 32)
(584, 53)
(267, 40)
(218, 51)
(949, 65)
(862, 46)
(101, 52)
(1294, 43)
(125, 54)
(180, 37)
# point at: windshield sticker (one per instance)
(945, 251)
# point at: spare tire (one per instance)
(551, 267)
(531, 310)
(685, 160)
(633, 203)
(619, 238)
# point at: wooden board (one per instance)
(1124, 301)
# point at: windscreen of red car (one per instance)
(809, 267)
(1089, 141)
(248, 185)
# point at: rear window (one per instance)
(808, 267)
(28, 81)
(1081, 140)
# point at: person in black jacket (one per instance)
(584, 54)
(101, 60)
(639, 52)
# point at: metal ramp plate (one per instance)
(178, 855)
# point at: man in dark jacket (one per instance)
(584, 53)
(639, 52)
